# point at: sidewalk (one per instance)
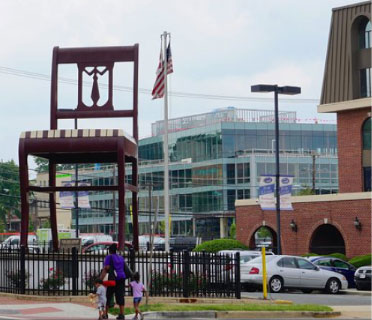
(353, 312)
(15, 309)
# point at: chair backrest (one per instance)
(95, 62)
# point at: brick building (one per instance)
(339, 222)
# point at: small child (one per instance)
(101, 298)
(138, 290)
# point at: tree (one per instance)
(264, 232)
(232, 231)
(42, 165)
(306, 191)
(9, 190)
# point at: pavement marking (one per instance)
(40, 310)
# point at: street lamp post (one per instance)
(277, 90)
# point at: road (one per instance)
(317, 297)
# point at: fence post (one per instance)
(74, 267)
(186, 273)
(22, 289)
(204, 267)
(132, 259)
(237, 276)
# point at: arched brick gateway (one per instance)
(311, 212)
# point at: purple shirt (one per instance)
(118, 263)
(138, 288)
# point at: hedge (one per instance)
(360, 261)
(220, 244)
(335, 255)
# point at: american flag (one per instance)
(158, 90)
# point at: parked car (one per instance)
(362, 278)
(292, 272)
(102, 247)
(90, 238)
(144, 243)
(14, 242)
(245, 255)
(336, 265)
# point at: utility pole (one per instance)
(76, 195)
(313, 155)
(114, 202)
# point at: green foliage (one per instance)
(307, 191)
(45, 224)
(9, 190)
(264, 232)
(360, 261)
(220, 244)
(335, 255)
(338, 255)
(309, 254)
(224, 307)
(232, 231)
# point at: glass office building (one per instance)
(215, 158)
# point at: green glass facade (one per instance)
(211, 166)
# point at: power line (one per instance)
(179, 94)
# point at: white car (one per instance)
(291, 272)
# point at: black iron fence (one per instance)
(69, 272)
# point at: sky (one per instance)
(218, 48)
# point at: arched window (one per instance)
(367, 137)
(367, 134)
(365, 35)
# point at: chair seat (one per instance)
(79, 133)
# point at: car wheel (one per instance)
(333, 286)
(307, 290)
(276, 284)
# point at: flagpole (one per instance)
(165, 146)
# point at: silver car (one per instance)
(291, 272)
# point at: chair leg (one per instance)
(23, 179)
(135, 204)
(52, 205)
(121, 192)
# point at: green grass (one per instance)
(226, 307)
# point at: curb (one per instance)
(357, 293)
(240, 314)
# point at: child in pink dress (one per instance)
(138, 290)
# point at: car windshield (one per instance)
(259, 259)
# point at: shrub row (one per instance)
(214, 246)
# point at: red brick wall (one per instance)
(349, 137)
(308, 216)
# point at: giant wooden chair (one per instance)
(85, 146)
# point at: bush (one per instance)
(335, 255)
(338, 256)
(309, 254)
(55, 280)
(214, 246)
(360, 261)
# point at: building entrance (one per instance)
(263, 236)
(327, 239)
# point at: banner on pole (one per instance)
(267, 192)
(286, 183)
(266, 195)
(66, 198)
